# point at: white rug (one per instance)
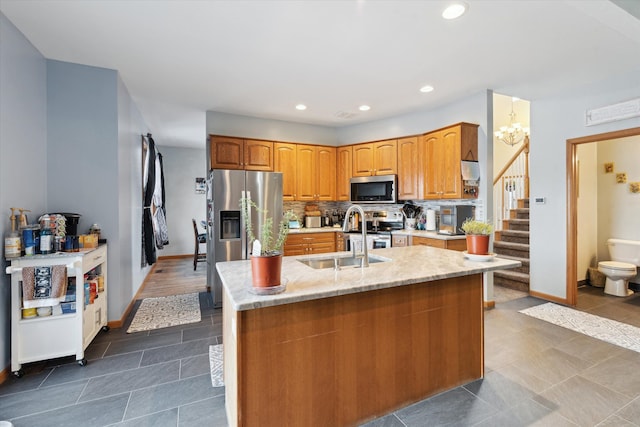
(162, 312)
(611, 331)
(216, 363)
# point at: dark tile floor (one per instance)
(157, 378)
(537, 374)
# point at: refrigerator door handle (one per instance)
(246, 196)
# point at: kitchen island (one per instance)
(343, 347)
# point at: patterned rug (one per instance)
(156, 313)
(216, 363)
(611, 331)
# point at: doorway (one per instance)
(572, 203)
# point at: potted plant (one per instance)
(266, 252)
(478, 234)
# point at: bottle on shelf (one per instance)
(46, 237)
(12, 243)
(23, 217)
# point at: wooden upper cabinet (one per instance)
(316, 175)
(306, 176)
(375, 158)
(226, 152)
(409, 174)
(258, 155)
(285, 161)
(363, 160)
(385, 157)
(343, 172)
(238, 153)
(326, 173)
(431, 165)
(441, 153)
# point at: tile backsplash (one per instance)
(330, 207)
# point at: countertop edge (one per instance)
(305, 284)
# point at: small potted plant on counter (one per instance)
(266, 252)
(478, 234)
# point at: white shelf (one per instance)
(61, 334)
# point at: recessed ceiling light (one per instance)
(364, 108)
(454, 10)
(426, 89)
(301, 107)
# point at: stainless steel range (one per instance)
(380, 224)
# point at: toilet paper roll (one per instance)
(431, 220)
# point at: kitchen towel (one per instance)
(43, 286)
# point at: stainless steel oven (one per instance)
(379, 227)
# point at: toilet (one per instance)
(625, 257)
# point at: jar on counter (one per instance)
(95, 229)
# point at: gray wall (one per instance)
(474, 109)
(23, 136)
(181, 167)
(130, 128)
(95, 163)
(70, 141)
(276, 130)
(553, 121)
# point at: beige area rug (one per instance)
(163, 312)
(611, 331)
(216, 363)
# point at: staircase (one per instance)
(512, 242)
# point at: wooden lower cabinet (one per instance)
(399, 240)
(310, 243)
(456, 245)
(344, 360)
(341, 243)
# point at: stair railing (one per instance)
(511, 184)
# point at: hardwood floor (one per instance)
(174, 276)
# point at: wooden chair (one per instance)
(198, 238)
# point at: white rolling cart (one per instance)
(60, 334)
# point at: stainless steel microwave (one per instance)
(374, 189)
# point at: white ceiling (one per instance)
(181, 58)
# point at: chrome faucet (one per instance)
(363, 226)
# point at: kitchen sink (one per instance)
(319, 263)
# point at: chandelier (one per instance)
(514, 133)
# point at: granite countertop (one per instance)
(429, 234)
(315, 230)
(407, 265)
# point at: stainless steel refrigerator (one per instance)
(226, 235)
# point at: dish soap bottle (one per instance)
(12, 246)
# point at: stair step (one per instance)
(516, 224)
(514, 236)
(524, 268)
(523, 203)
(519, 213)
(511, 279)
(520, 250)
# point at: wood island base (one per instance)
(344, 360)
